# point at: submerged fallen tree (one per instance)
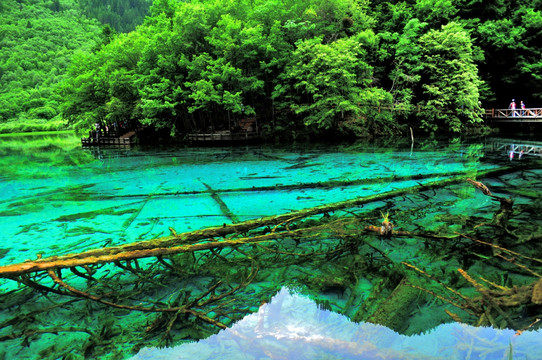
(171, 244)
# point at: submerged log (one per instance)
(223, 207)
(185, 242)
(395, 310)
(329, 184)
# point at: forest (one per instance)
(304, 69)
(38, 38)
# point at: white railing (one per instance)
(516, 113)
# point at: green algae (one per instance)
(21, 208)
(395, 310)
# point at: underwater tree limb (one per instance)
(223, 207)
(186, 308)
(455, 292)
(24, 279)
(501, 217)
(58, 262)
(83, 294)
(521, 266)
(330, 184)
(444, 299)
(494, 299)
(24, 317)
(500, 248)
(170, 245)
(378, 230)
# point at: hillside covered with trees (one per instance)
(37, 41)
(356, 68)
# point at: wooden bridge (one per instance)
(517, 115)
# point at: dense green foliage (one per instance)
(338, 67)
(121, 15)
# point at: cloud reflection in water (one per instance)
(292, 326)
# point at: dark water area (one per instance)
(458, 278)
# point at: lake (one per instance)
(261, 251)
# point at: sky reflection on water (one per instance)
(292, 326)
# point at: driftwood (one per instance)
(185, 242)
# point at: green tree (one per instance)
(102, 86)
(405, 75)
(529, 52)
(329, 84)
(450, 81)
(171, 38)
(85, 93)
(121, 15)
(437, 12)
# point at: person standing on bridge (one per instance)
(512, 107)
(522, 106)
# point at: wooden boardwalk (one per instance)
(224, 136)
(125, 140)
(247, 132)
(517, 115)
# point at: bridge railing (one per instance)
(509, 113)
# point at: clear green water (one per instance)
(56, 198)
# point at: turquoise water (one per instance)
(56, 199)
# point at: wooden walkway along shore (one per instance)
(125, 140)
(223, 136)
(247, 131)
(517, 115)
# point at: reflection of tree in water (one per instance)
(20, 154)
(188, 286)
